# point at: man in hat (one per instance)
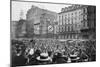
(19, 60)
(44, 58)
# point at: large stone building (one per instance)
(73, 19)
(90, 14)
(13, 29)
(18, 29)
(39, 21)
(21, 28)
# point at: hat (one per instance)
(43, 57)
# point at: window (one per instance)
(72, 15)
(70, 28)
(81, 17)
(65, 20)
(63, 28)
(59, 28)
(85, 23)
(75, 18)
(65, 36)
(69, 37)
(59, 18)
(79, 12)
(59, 37)
(75, 36)
(85, 17)
(68, 15)
(66, 28)
(72, 20)
(85, 10)
(76, 13)
(62, 19)
(68, 20)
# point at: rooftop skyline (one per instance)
(18, 7)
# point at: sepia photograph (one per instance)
(45, 33)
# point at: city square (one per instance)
(49, 37)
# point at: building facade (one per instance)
(13, 29)
(44, 18)
(21, 28)
(73, 19)
(90, 18)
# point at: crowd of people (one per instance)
(25, 51)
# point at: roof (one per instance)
(73, 9)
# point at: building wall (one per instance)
(71, 21)
(90, 18)
(13, 29)
(37, 15)
(20, 28)
(47, 24)
(75, 18)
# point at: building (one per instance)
(73, 19)
(42, 18)
(90, 18)
(47, 24)
(37, 28)
(21, 28)
(13, 29)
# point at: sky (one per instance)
(18, 7)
